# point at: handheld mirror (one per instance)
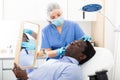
(27, 45)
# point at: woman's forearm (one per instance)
(51, 53)
(48, 52)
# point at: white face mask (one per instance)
(58, 22)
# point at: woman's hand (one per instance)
(40, 53)
(51, 53)
(86, 38)
(61, 51)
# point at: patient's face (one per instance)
(75, 50)
(81, 51)
(24, 39)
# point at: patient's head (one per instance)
(80, 50)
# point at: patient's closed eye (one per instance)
(72, 43)
(79, 44)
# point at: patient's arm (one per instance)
(19, 73)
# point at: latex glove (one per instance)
(61, 51)
(30, 45)
(27, 31)
(85, 38)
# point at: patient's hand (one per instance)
(19, 73)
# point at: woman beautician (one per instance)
(59, 32)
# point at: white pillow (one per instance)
(102, 60)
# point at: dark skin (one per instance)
(19, 73)
(24, 39)
(74, 50)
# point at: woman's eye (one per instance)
(52, 17)
(58, 14)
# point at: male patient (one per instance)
(65, 68)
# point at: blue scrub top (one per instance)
(51, 38)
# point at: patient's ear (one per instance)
(82, 57)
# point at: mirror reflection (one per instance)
(28, 45)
